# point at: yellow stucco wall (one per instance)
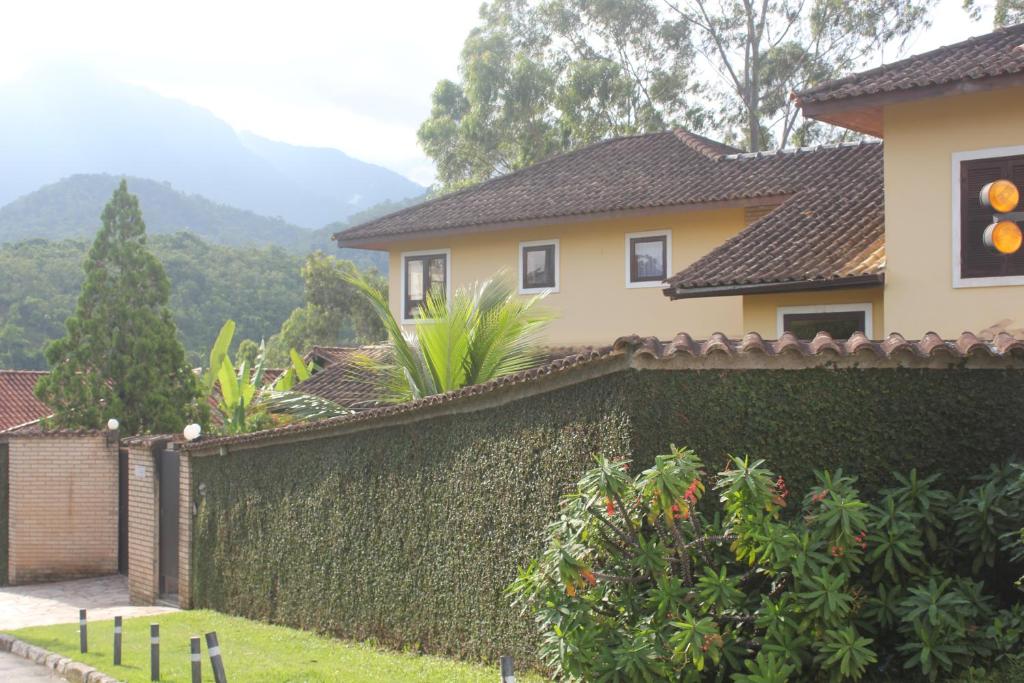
(920, 140)
(593, 304)
(760, 311)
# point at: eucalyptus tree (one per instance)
(541, 77)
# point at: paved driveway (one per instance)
(14, 669)
(58, 603)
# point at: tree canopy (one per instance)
(540, 77)
(121, 357)
(40, 281)
(334, 314)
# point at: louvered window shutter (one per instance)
(977, 260)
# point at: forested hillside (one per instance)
(71, 208)
(40, 281)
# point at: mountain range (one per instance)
(56, 124)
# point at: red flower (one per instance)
(818, 497)
(609, 506)
(691, 492)
(837, 551)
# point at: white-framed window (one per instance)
(648, 258)
(423, 271)
(974, 265)
(538, 266)
(839, 320)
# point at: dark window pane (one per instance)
(977, 260)
(437, 272)
(647, 259)
(422, 274)
(841, 325)
(539, 266)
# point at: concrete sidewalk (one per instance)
(15, 669)
(58, 603)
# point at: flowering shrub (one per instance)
(649, 578)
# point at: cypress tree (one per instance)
(121, 356)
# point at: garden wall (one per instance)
(62, 504)
(4, 515)
(407, 525)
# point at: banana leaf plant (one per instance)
(247, 397)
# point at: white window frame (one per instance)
(539, 243)
(966, 282)
(667, 234)
(868, 309)
(447, 277)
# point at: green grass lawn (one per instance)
(252, 651)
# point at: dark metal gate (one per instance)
(168, 522)
(122, 511)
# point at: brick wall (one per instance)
(62, 507)
(185, 533)
(143, 524)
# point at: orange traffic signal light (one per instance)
(1004, 234)
(1001, 196)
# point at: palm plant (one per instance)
(486, 331)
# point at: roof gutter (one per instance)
(857, 281)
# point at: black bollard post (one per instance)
(154, 652)
(83, 635)
(117, 641)
(507, 675)
(215, 659)
(197, 660)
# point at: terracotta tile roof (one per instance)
(342, 380)
(329, 355)
(671, 168)
(831, 232)
(975, 59)
(18, 402)
(36, 430)
(685, 352)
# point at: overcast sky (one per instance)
(352, 75)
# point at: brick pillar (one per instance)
(143, 522)
(185, 531)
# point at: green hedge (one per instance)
(409, 534)
(870, 422)
(5, 475)
(405, 535)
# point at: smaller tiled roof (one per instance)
(18, 402)
(324, 356)
(992, 55)
(346, 382)
(342, 379)
(683, 351)
(830, 233)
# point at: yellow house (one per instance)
(602, 228)
(669, 232)
(952, 120)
